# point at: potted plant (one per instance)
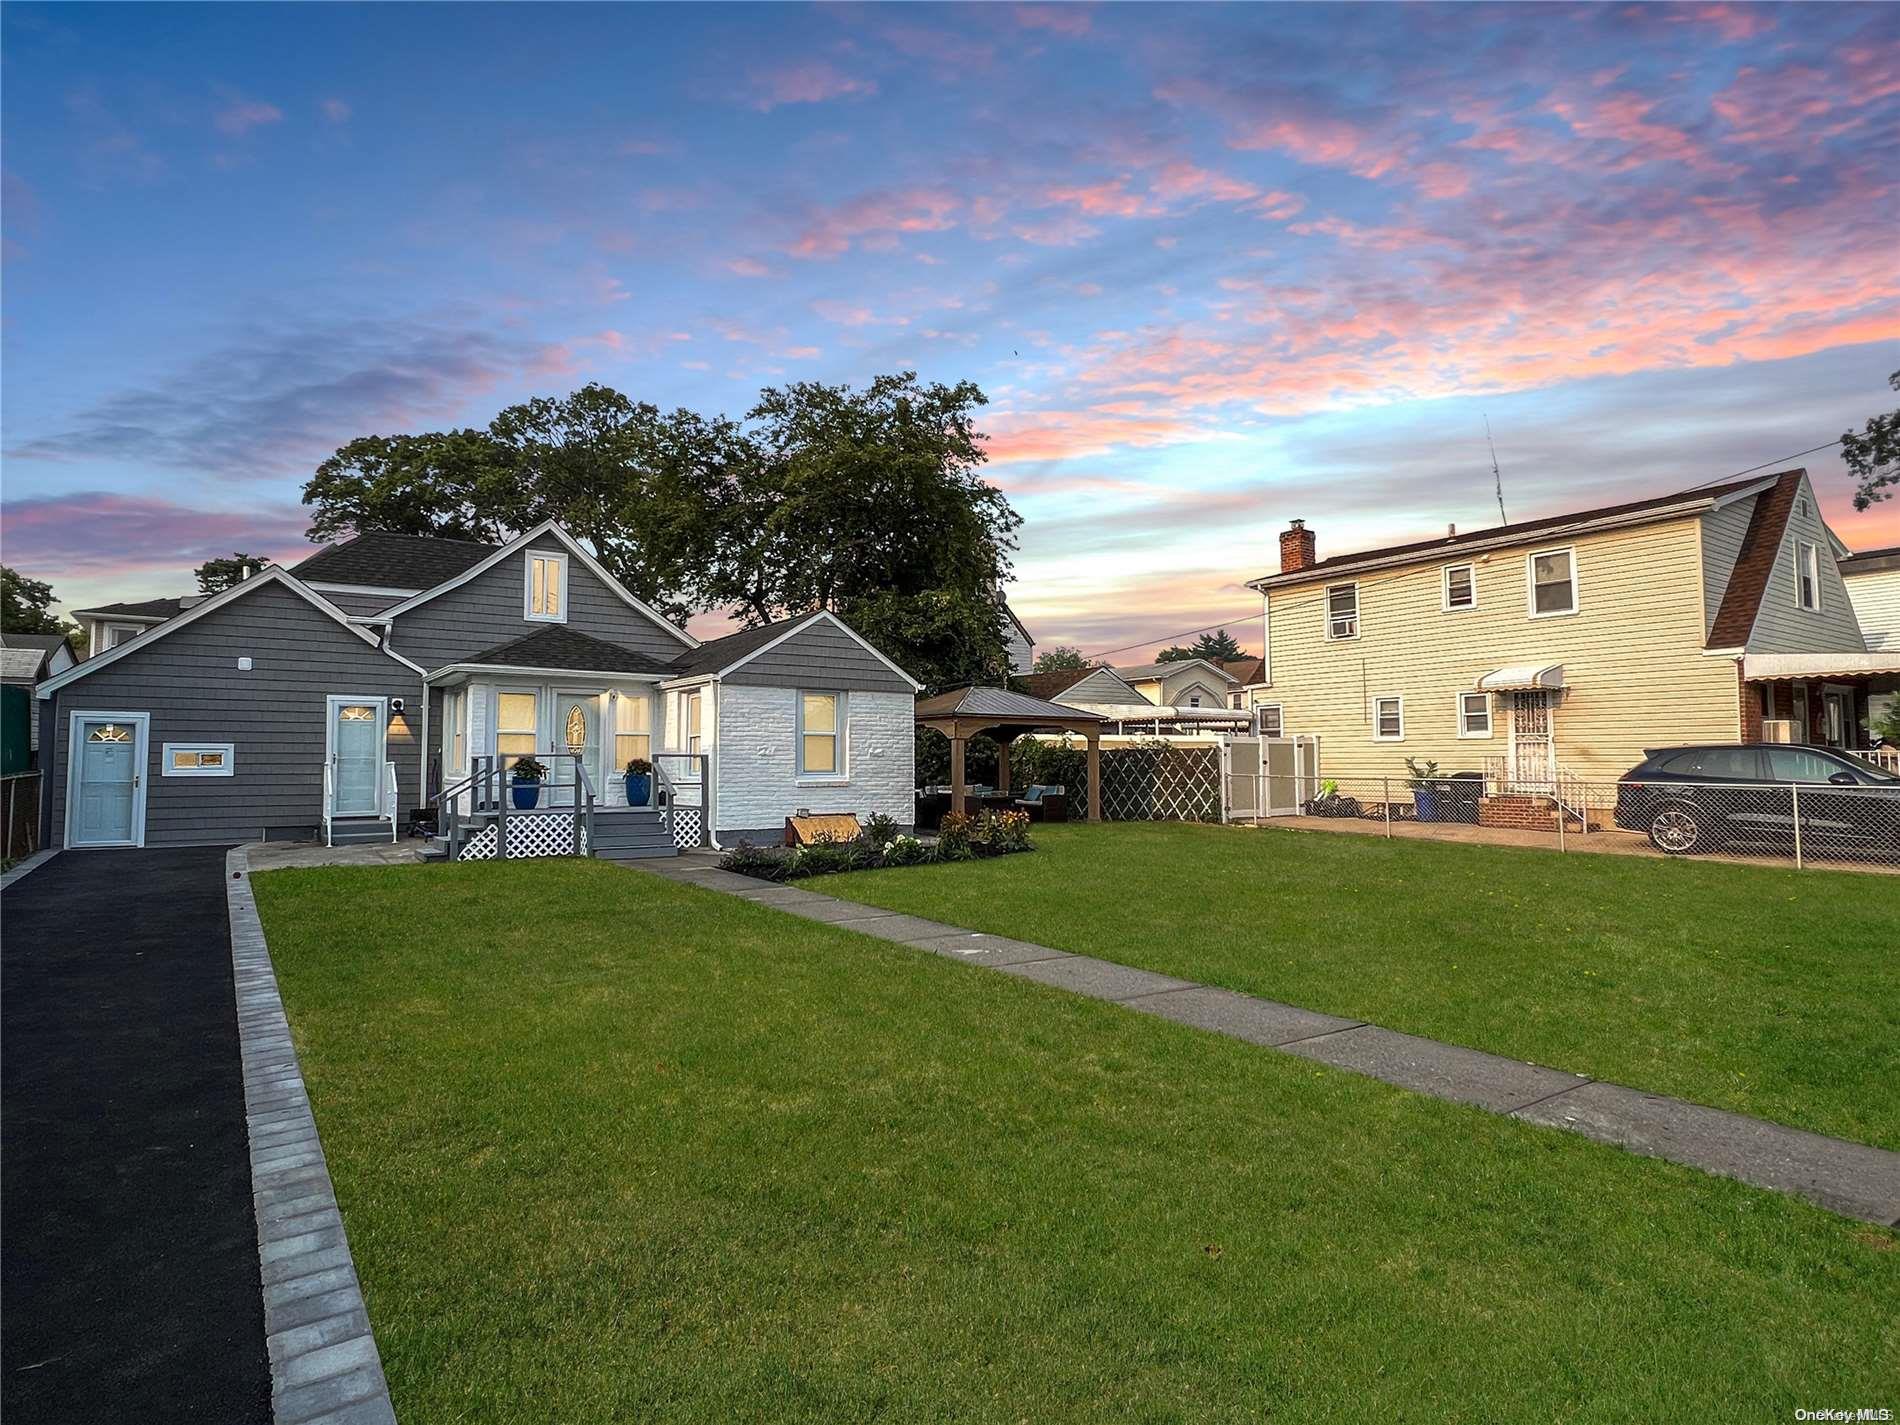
(639, 782)
(1424, 784)
(527, 776)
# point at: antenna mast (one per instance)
(1496, 474)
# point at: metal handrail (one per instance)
(329, 797)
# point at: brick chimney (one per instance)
(1298, 548)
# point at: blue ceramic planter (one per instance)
(526, 794)
(639, 788)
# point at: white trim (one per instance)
(1378, 736)
(840, 773)
(224, 769)
(217, 601)
(131, 630)
(1444, 587)
(1812, 552)
(1530, 582)
(362, 589)
(99, 616)
(1358, 621)
(1490, 716)
(520, 542)
(799, 627)
(141, 763)
(557, 562)
(330, 703)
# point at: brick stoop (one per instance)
(1519, 812)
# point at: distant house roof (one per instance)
(1168, 670)
(999, 703)
(24, 656)
(1245, 671)
(1871, 561)
(1514, 533)
(380, 560)
(564, 648)
(1048, 685)
(143, 610)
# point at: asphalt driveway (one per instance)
(129, 1266)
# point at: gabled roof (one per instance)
(720, 656)
(45, 642)
(1245, 671)
(1683, 502)
(494, 556)
(999, 703)
(1871, 561)
(379, 560)
(1169, 669)
(1021, 628)
(569, 650)
(144, 610)
(244, 588)
(1754, 562)
(24, 656)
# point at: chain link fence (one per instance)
(1803, 824)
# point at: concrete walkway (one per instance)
(1848, 1178)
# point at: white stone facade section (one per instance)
(757, 771)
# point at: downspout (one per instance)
(712, 758)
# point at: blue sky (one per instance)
(1214, 267)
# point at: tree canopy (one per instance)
(26, 606)
(1873, 455)
(1060, 659)
(1216, 647)
(866, 502)
(217, 575)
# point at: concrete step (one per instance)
(356, 833)
(636, 853)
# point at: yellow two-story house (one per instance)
(1560, 646)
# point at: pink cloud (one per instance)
(1734, 23)
(336, 111)
(240, 116)
(98, 535)
(851, 314)
(1071, 20)
(831, 232)
(748, 267)
(813, 82)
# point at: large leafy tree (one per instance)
(1873, 455)
(217, 575)
(1060, 659)
(26, 606)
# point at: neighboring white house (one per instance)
(1873, 588)
(1022, 644)
(1184, 683)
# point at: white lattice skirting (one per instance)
(1172, 784)
(556, 834)
(688, 826)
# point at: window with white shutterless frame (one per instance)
(1460, 587)
(1807, 576)
(1552, 579)
(821, 735)
(1474, 714)
(633, 728)
(1342, 611)
(197, 759)
(1388, 719)
(544, 587)
(1270, 719)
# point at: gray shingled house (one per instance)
(390, 674)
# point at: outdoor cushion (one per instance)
(1034, 794)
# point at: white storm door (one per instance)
(107, 794)
(576, 730)
(356, 755)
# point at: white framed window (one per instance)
(821, 735)
(197, 759)
(1461, 587)
(1474, 714)
(691, 717)
(1270, 720)
(1194, 701)
(517, 724)
(116, 633)
(544, 597)
(455, 719)
(1342, 611)
(633, 729)
(1807, 576)
(1552, 576)
(1388, 719)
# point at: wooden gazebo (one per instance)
(962, 713)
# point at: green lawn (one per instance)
(612, 1148)
(1770, 991)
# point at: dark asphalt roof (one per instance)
(1426, 548)
(393, 561)
(719, 653)
(143, 608)
(45, 642)
(560, 647)
(1047, 685)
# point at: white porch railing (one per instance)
(329, 800)
(392, 799)
(1884, 757)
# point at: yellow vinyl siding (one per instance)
(1634, 669)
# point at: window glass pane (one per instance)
(1270, 720)
(1458, 586)
(821, 712)
(356, 712)
(632, 714)
(1551, 575)
(1477, 712)
(554, 586)
(1342, 608)
(821, 753)
(1388, 717)
(210, 759)
(629, 745)
(539, 569)
(1797, 764)
(1718, 764)
(184, 759)
(110, 732)
(515, 711)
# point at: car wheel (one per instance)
(1676, 830)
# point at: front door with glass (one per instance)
(576, 735)
(109, 754)
(356, 756)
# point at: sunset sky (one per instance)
(1214, 268)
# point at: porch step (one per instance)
(358, 831)
(636, 853)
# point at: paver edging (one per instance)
(324, 1367)
(1756, 1151)
(27, 865)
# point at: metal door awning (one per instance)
(1522, 675)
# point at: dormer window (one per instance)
(545, 596)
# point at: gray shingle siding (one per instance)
(819, 656)
(488, 610)
(274, 715)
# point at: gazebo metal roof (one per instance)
(1002, 705)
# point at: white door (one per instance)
(356, 756)
(107, 782)
(576, 730)
(1533, 745)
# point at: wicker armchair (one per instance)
(1045, 803)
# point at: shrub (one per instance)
(955, 835)
(526, 769)
(881, 829)
(822, 858)
(1035, 761)
(908, 851)
(762, 862)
